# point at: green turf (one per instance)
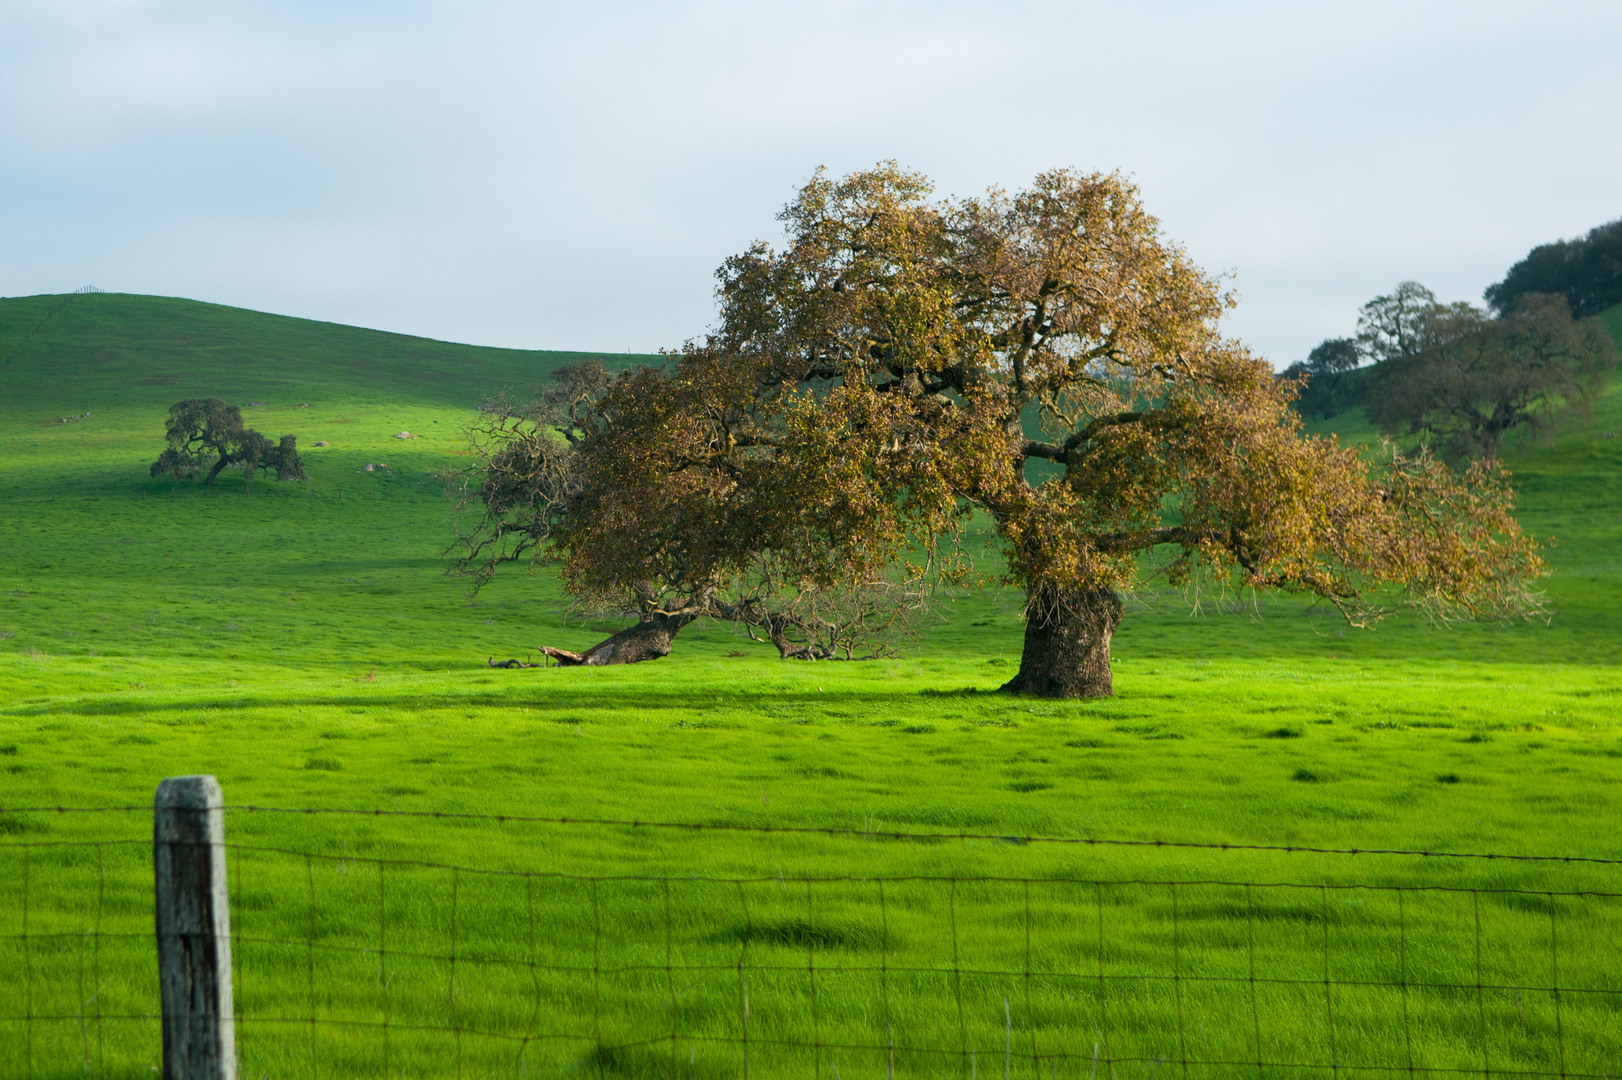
(303, 643)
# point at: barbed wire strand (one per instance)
(957, 974)
(1554, 981)
(534, 978)
(884, 985)
(861, 969)
(1255, 1007)
(875, 834)
(101, 895)
(235, 869)
(84, 1034)
(1402, 978)
(811, 981)
(870, 1048)
(1481, 1000)
(1030, 1015)
(309, 873)
(819, 970)
(382, 969)
(1329, 997)
(425, 864)
(1177, 979)
(1103, 987)
(670, 981)
(596, 978)
(28, 974)
(743, 977)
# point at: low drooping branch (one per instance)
(778, 625)
(830, 631)
(651, 637)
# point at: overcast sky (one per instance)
(569, 175)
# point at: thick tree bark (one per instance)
(213, 474)
(1067, 635)
(647, 640)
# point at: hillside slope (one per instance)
(304, 642)
(76, 353)
(82, 518)
(125, 359)
(155, 567)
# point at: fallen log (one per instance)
(647, 640)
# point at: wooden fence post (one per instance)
(194, 930)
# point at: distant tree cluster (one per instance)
(1329, 383)
(1586, 271)
(1455, 373)
(206, 433)
(1465, 379)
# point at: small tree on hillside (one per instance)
(1468, 380)
(208, 433)
(901, 363)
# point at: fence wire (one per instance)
(833, 831)
(352, 965)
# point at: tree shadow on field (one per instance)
(569, 703)
(651, 1058)
(801, 934)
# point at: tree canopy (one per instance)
(206, 432)
(1328, 385)
(1586, 271)
(1047, 359)
(1466, 380)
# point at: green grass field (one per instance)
(303, 643)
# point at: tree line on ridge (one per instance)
(1462, 377)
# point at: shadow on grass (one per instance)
(770, 703)
(804, 934)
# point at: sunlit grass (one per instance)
(303, 644)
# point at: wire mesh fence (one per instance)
(348, 965)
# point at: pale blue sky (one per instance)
(569, 175)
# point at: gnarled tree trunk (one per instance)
(213, 474)
(1067, 635)
(647, 640)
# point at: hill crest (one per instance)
(78, 351)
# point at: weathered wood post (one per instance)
(194, 930)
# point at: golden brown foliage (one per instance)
(1047, 357)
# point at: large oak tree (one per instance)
(900, 364)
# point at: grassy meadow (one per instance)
(303, 643)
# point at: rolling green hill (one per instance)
(113, 580)
(103, 349)
(303, 642)
(85, 384)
